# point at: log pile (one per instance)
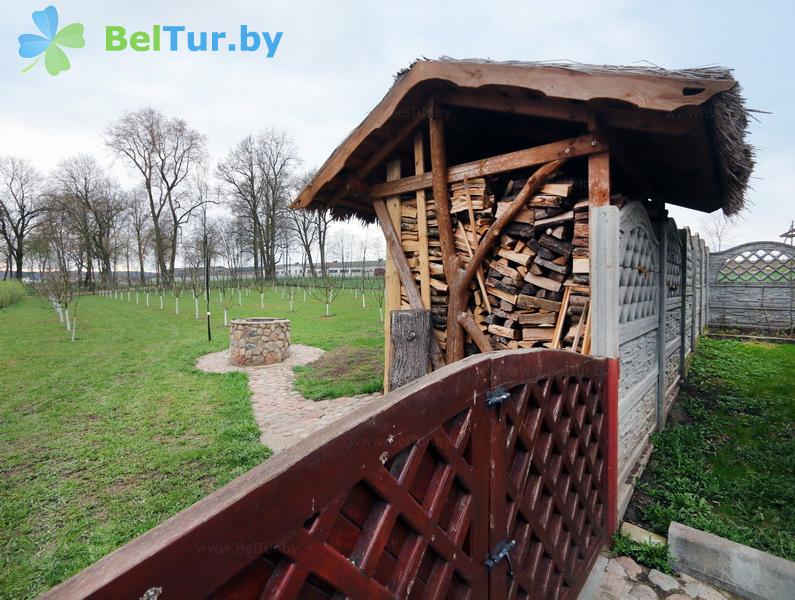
(531, 270)
(468, 201)
(532, 289)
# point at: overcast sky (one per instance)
(336, 60)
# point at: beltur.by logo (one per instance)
(174, 38)
(169, 38)
(50, 42)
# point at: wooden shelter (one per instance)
(484, 177)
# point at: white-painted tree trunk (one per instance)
(291, 305)
(147, 298)
(60, 312)
(74, 328)
(239, 298)
(161, 302)
(364, 302)
(176, 305)
(381, 314)
(128, 297)
(196, 305)
(327, 308)
(225, 320)
(68, 326)
(136, 297)
(262, 300)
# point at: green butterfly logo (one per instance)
(50, 42)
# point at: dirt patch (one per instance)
(338, 362)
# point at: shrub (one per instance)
(10, 292)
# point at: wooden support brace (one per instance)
(467, 321)
(404, 272)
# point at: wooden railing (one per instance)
(507, 457)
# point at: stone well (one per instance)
(259, 341)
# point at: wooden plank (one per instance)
(519, 258)
(565, 149)
(564, 305)
(422, 223)
(391, 277)
(566, 216)
(411, 346)
(510, 298)
(524, 301)
(538, 334)
(505, 332)
(472, 221)
(644, 120)
(543, 282)
(538, 318)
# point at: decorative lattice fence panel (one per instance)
(752, 286)
(411, 497)
(639, 254)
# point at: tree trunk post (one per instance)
(411, 346)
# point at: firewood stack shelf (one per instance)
(533, 289)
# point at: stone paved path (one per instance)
(624, 579)
(284, 416)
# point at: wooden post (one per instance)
(599, 179)
(422, 223)
(411, 337)
(454, 348)
(391, 279)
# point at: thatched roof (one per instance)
(703, 162)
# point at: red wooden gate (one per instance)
(502, 458)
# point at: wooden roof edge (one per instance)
(642, 87)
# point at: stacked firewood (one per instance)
(535, 291)
(533, 287)
(469, 201)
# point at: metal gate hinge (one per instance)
(496, 397)
(501, 551)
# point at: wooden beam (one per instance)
(405, 276)
(456, 298)
(385, 149)
(563, 110)
(422, 223)
(599, 179)
(491, 237)
(467, 321)
(565, 149)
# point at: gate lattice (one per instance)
(491, 478)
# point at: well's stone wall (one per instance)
(259, 341)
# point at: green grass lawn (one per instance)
(726, 463)
(105, 437)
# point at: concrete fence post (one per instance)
(605, 274)
(662, 296)
(685, 239)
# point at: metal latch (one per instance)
(496, 397)
(501, 551)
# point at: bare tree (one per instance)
(20, 207)
(718, 230)
(95, 207)
(141, 228)
(165, 152)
